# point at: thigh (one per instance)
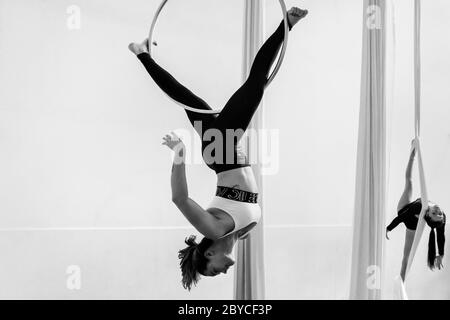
(200, 122)
(239, 110)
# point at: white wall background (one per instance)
(84, 180)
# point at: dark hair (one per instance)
(440, 228)
(193, 261)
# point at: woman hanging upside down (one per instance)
(234, 210)
(408, 213)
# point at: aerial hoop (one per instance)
(271, 77)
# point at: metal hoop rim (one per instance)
(271, 77)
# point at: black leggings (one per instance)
(239, 110)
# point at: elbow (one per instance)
(212, 235)
(211, 232)
(214, 232)
(178, 200)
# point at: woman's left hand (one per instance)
(438, 262)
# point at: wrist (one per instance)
(179, 154)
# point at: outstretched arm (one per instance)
(394, 223)
(407, 192)
(409, 239)
(178, 177)
(203, 221)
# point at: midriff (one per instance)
(239, 178)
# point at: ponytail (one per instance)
(192, 261)
(440, 227)
(431, 249)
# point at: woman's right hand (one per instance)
(387, 234)
(173, 142)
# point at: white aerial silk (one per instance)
(370, 193)
(249, 274)
(423, 186)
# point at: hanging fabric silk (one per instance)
(249, 269)
(416, 145)
(370, 181)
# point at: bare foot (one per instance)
(138, 48)
(296, 14)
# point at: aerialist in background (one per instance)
(408, 213)
(234, 210)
